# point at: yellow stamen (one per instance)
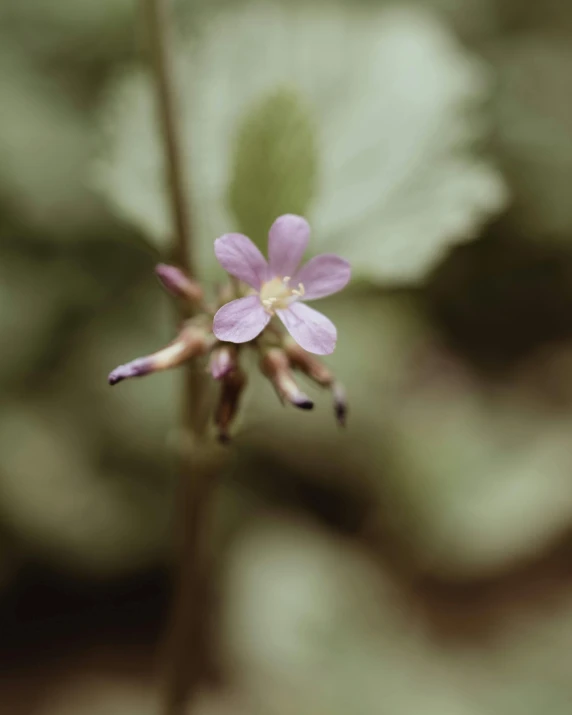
(276, 294)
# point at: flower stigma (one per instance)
(276, 294)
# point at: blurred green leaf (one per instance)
(394, 109)
(317, 628)
(82, 28)
(478, 473)
(275, 164)
(26, 324)
(534, 113)
(44, 148)
(55, 501)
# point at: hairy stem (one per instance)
(187, 655)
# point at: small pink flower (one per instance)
(280, 286)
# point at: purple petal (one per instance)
(240, 320)
(310, 329)
(323, 275)
(287, 241)
(239, 256)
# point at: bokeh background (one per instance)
(418, 562)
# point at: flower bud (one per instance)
(177, 283)
(224, 359)
(340, 403)
(276, 367)
(320, 374)
(308, 364)
(191, 342)
(232, 386)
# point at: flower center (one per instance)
(277, 294)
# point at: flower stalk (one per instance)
(186, 654)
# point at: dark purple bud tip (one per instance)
(341, 411)
(340, 405)
(224, 438)
(136, 368)
(304, 403)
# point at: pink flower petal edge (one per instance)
(240, 320)
(239, 256)
(287, 240)
(309, 328)
(323, 275)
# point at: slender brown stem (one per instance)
(160, 36)
(187, 654)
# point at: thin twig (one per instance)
(187, 655)
(160, 37)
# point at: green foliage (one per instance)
(389, 97)
(534, 115)
(275, 163)
(44, 147)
